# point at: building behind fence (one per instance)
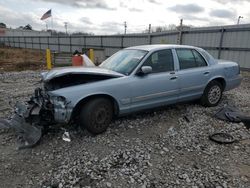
(224, 42)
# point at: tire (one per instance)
(212, 94)
(96, 115)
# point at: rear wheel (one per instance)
(212, 94)
(96, 115)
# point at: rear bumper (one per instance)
(233, 83)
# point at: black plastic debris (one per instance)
(28, 135)
(186, 119)
(232, 114)
(222, 138)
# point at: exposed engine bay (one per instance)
(72, 80)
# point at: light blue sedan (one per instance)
(133, 79)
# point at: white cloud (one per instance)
(108, 16)
(223, 13)
(187, 8)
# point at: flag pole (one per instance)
(51, 21)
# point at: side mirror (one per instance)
(145, 70)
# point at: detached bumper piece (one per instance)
(28, 133)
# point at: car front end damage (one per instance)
(46, 108)
(49, 105)
(35, 116)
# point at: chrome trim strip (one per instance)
(125, 101)
(150, 96)
(192, 88)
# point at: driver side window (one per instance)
(160, 61)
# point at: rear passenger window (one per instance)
(161, 61)
(199, 59)
(189, 58)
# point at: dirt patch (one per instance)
(17, 59)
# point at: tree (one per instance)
(159, 29)
(169, 27)
(2, 25)
(27, 27)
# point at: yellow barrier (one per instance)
(48, 59)
(91, 55)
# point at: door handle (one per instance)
(206, 73)
(174, 77)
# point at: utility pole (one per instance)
(66, 27)
(181, 23)
(179, 39)
(238, 22)
(149, 28)
(125, 28)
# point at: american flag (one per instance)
(46, 15)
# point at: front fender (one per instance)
(76, 108)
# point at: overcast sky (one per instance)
(108, 16)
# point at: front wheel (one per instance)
(96, 115)
(212, 94)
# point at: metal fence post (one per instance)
(8, 41)
(70, 43)
(25, 45)
(149, 39)
(85, 45)
(32, 46)
(19, 43)
(101, 42)
(58, 43)
(179, 39)
(122, 38)
(14, 43)
(39, 40)
(221, 42)
(48, 41)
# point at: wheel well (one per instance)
(221, 81)
(77, 108)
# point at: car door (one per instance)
(193, 75)
(158, 87)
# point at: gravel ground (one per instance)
(150, 149)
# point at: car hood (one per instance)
(57, 72)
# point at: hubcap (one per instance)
(214, 94)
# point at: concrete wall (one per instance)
(224, 42)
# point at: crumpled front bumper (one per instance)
(28, 134)
(31, 117)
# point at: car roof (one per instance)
(159, 47)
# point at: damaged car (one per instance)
(131, 80)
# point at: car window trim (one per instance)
(200, 55)
(162, 71)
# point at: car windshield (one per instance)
(124, 61)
